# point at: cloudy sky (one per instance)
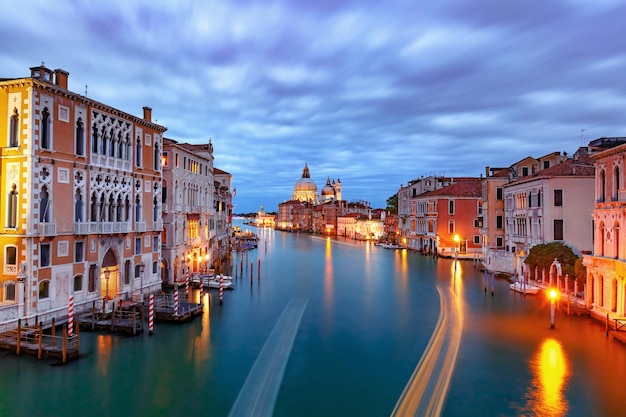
(372, 93)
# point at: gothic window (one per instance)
(127, 209)
(94, 207)
(94, 140)
(157, 158)
(128, 148)
(138, 153)
(78, 206)
(120, 146)
(118, 209)
(105, 142)
(45, 128)
(80, 137)
(137, 209)
(14, 129)
(155, 210)
(44, 205)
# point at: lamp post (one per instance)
(553, 294)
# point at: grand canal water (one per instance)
(360, 319)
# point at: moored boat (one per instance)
(524, 288)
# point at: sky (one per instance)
(374, 94)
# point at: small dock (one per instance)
(167, 310)
(41, 341)
(126, 319)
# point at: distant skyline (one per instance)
(373, 93)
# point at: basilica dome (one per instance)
(305, 188)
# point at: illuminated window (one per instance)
(44, 289)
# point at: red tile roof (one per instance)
(468, 187)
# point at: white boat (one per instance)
(390, 246)
(214, 282)
(528, 289)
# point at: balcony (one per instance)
(47, 229)
(140, 226)
(157, 225)
(87, 228)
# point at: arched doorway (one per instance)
(109, 279)
(165, 272)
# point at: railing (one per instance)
(47, 229)
(140, 226)
(620, 325)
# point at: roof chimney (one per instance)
(60, 78)
(486, 172)
(147, 114)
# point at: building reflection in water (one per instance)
(103, 347)
(550, 369)
(328, 273)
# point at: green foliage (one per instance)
(542, 256)
(392, 204)
(580, 271)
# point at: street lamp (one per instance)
(552, 294)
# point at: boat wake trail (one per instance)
(258, 394)
(426, 391)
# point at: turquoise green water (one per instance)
(369, 317)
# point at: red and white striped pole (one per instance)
(176, 300)
(187, 287)
(151, 316)
(221, 288)
(70, 317)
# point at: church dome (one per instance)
(305, 188)
(328, 191)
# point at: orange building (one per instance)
(452, 215)
(80, 207)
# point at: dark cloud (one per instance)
(372, 94)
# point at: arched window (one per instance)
(78, 283)
(137, 209)
(94, 139)
(45, 128)
(157, 157)
(601, 291)
(44, 205)
(614, 295)
(602, 185)
(616, 184)
(12, 209)
(44, 289)
(94, 207)
(118, 209)
(120, 146)
(14, 129)
(105, 142)
(155, 210)
(138, 152)
(128, 147)
(80, 137)
(602, 237)
(78, 206)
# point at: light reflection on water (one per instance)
(550, 369)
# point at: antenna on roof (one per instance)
(582, 137)
(85, 90)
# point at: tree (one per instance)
(542, 256)
(392, 204)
